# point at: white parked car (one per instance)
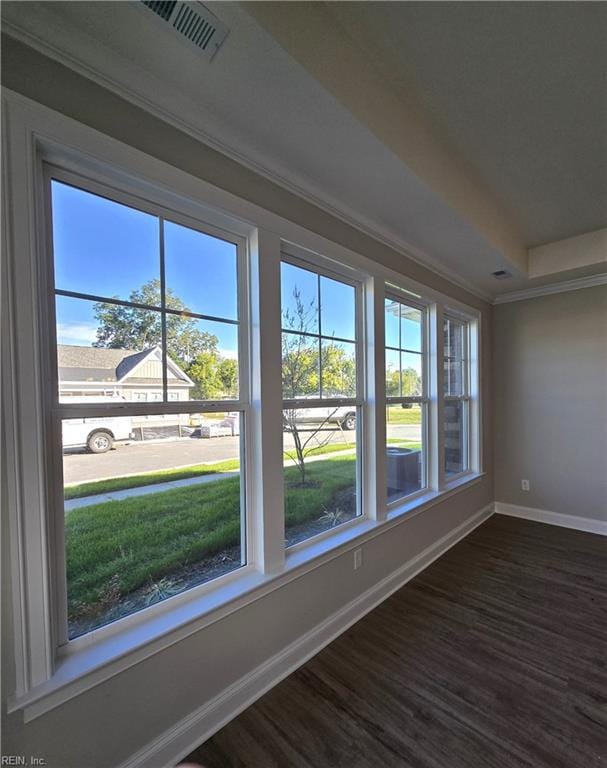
(344, 416)
(98, 434)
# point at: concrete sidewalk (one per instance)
(142, 490)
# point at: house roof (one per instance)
(109, 365)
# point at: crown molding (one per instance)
(290, 182)
(545, 290)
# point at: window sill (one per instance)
(429, 499)
(95, 661)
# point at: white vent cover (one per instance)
(193, 22)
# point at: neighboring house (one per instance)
(135, 376)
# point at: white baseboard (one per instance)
(182, 738)
(588, 524)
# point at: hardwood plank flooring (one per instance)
(493, 657)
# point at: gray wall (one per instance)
(550, 378)
(105, 725)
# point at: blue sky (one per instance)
(107, 249)
(410, 326)
(337, 302)
(407, 320)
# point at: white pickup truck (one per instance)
(96, 434)
(344, 416)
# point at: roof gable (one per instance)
(77, 363)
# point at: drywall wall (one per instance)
(309, 33)
(587, 250)
(105, 726)
(550, 373)
(54, 85)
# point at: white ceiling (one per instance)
(520, 89)
(257, 103)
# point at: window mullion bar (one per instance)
(473, 396)
(436, 408)
(151, 307)
(163, 318)
(105, 300)
(320, 387)
(317, 402)
(374, 410)
(135, 408)
(264, 446)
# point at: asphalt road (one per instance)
(133, 458)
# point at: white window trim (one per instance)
(470, 396)
(324, 267)
(156, 205)
(44, 680)
(417, 302)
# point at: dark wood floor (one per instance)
(494, 657)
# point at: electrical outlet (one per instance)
(358, 558)
(524, 485)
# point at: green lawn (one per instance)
(165, 475)
(398, 415)
(397, 442)
(147, 478)
(117, 546)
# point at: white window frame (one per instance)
(318, 265)
(45, 679)
(424, 400)
(468, 397)
(155, 205)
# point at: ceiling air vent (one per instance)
(192, 21)
(501, 274)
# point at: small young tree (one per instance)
(305, 441)
(301, 359)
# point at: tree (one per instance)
(123, 327)
(204, 372)
(228, 375)
(300, 369)
(392, 382)
(302, 362)
(215, 376)
(338, 371)
(411, 383)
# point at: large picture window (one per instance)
(406, 398)
(321, 401)
(149, 410)
(204, 399)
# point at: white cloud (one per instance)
(83, 334)
(229, 353)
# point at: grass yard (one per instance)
(398, 415)
(147, 478)
(165, 475)
(115, 547)
(397, 442)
